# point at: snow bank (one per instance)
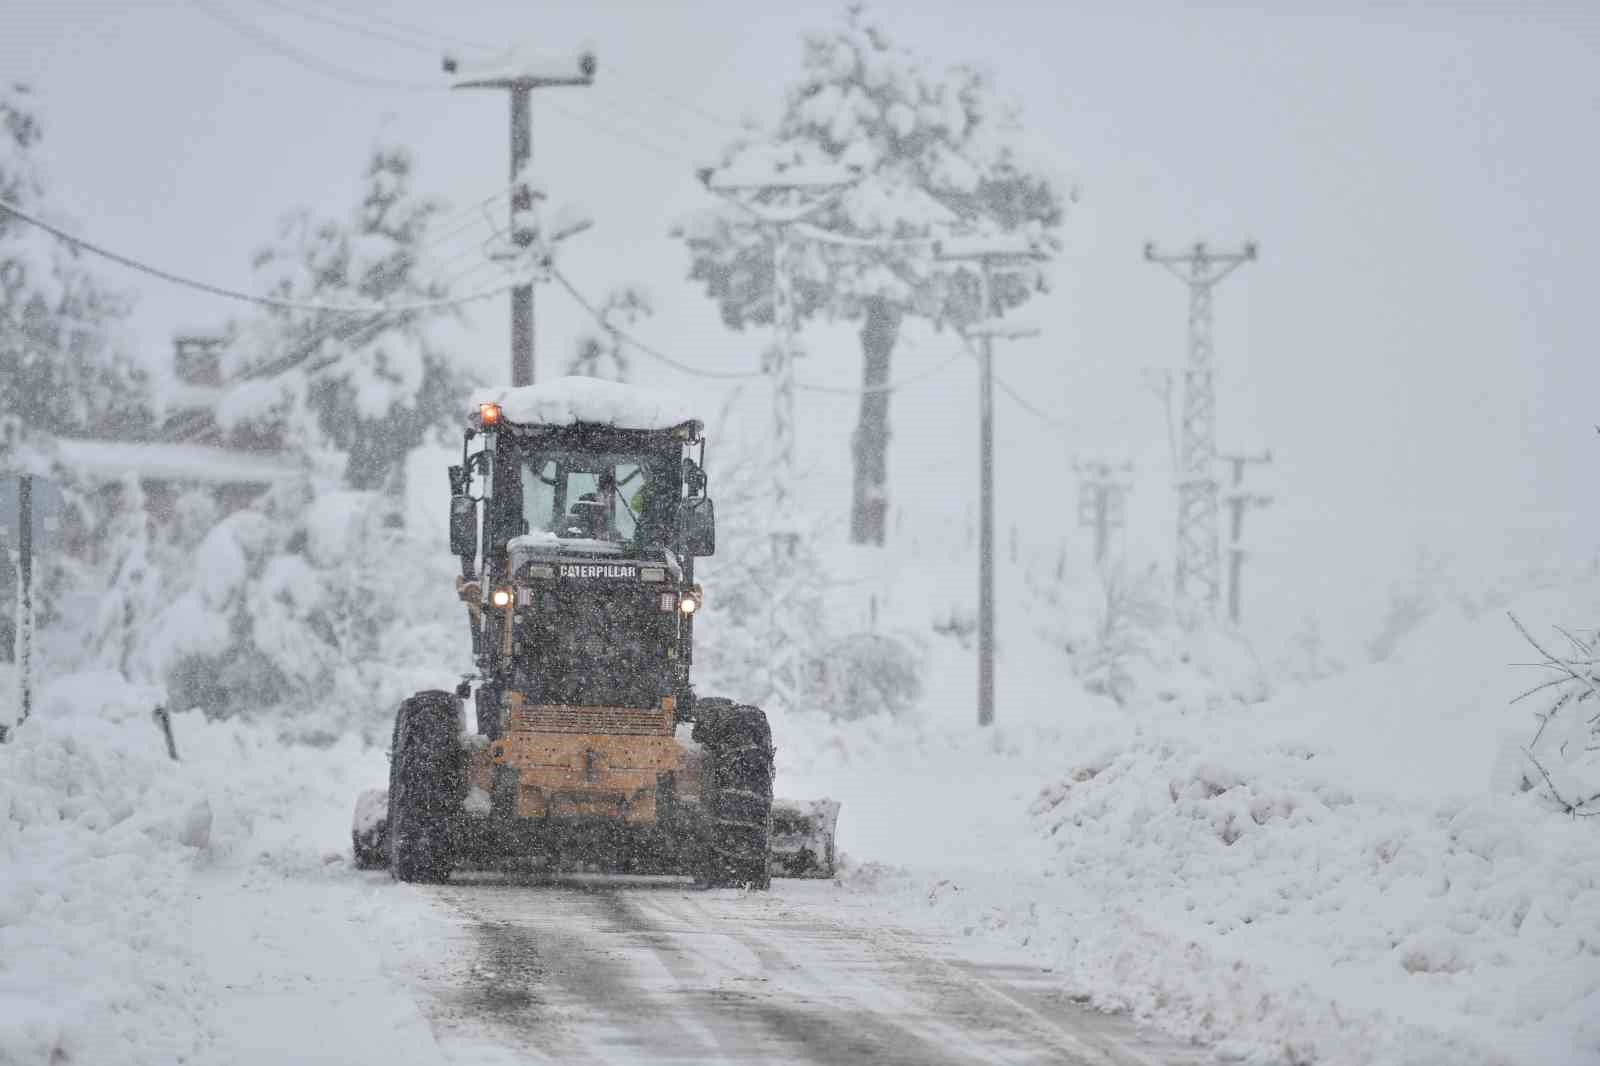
(1249, 897)
(154, 911)
(573, 399)
(97, 835)
(1341, 874)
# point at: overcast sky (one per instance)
(1415, 344)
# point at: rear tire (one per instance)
(735, 794)
(427, 786)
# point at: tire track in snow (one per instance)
(622, 971)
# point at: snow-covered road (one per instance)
(631, 971)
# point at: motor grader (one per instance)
(589, 748)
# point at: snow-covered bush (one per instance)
(1133, 609)
(1563, 758)
(309, 605)
(1306, 656)
(841, 674)
(859, 675)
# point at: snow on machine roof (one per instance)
(570, 400)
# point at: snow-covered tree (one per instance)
(367, 385)
(602, 354)
(839, 672)
(937, 150)
(59, 369)
(132, 591)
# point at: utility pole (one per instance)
(520, 81)
(22, 640)
(1198, 572)
(1101, 502)
(777, 200)
(989, 254)
(1237, 500)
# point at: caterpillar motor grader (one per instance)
(590, 748)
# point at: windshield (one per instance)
(618, 497)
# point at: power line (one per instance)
(892, 386)
(345, 74)
(234, 294)
(416, 31)
(619, 134)
(1018, 398)
(306, 59)
(654, 353)
(351, 26)
(830, 390)
(1021, 402)
(692, 108)
(343, 329)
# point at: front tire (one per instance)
(427, 785)
(736, 794)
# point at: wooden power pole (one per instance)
(520, 81)
(988, 254)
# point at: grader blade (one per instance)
(802, 838)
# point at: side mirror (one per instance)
(694, 478)
(697, 526)
(463, 526)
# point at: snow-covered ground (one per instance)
(1345, 873)
(197, 911)
(1341, 874)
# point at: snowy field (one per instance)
(1342, 874)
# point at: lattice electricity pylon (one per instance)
(1199, 574)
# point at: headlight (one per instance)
(688, 604)
(541, 570)
(500, 597)
(652, 573)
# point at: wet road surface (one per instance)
(623, 972)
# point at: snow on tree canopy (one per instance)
(575, 399)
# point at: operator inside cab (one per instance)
(594, 514)
(591, 514)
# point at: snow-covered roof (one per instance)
(569, 400)
(175, 462)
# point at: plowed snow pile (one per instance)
(97, 836)
(149, 909)
(1344, 874)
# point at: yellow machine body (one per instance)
(585, 762)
